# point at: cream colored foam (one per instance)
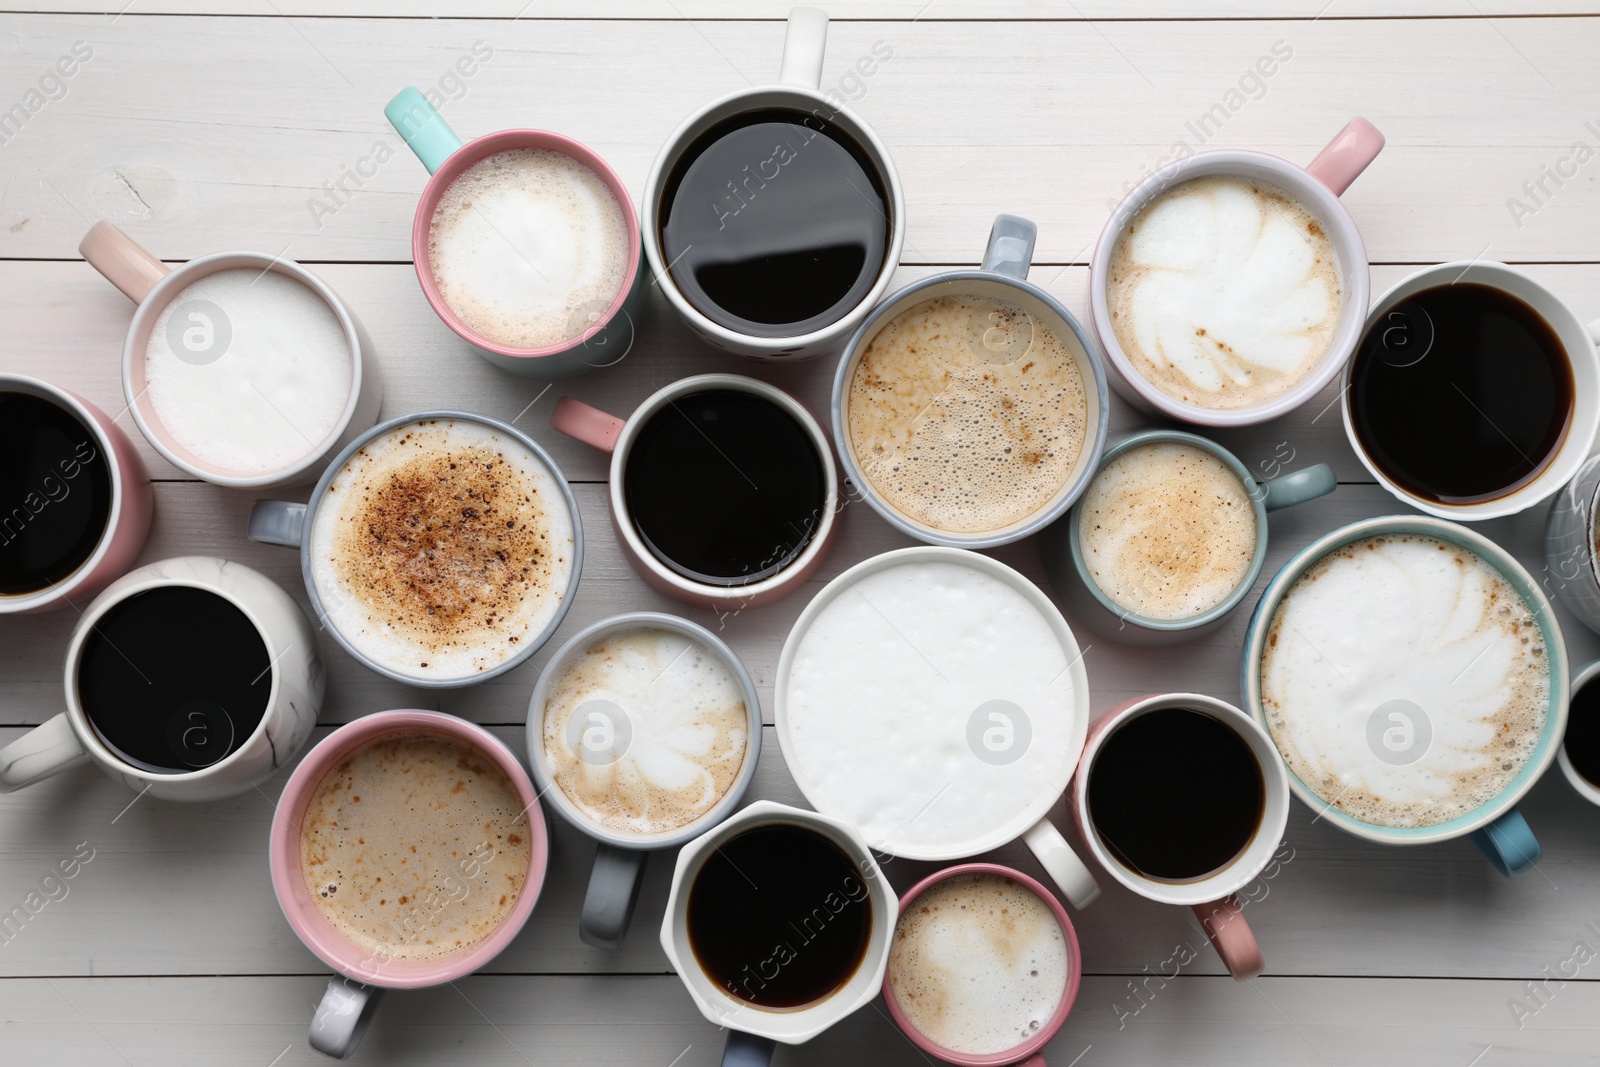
(978, 964)
(1405, 618)
(1224, 292)
(686, 731)
(415, 847)
(961, 435)
(1167, 530)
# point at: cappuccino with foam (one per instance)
(967, 414)
(1167, 530)
(1224, 292)
(646, 730)
(1405, 680)
(978, 964)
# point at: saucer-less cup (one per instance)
(1317, 187)
(290, 525)
(1577, 339)
(598, 336)
(1027, 1053)
(1003, 276)
(1087, 603)
(350, 1001)
(619, 862)
(1590, 791)
(153, 286)
(1213, 898)
(1496, 827)
(800, 78)
(610, 434)
(296, 692)
(1572, 569)
(127, 523)
(754, 1033)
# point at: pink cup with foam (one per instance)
(350, 1001)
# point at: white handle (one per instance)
(1062, 864)
(343, 1016)
(39, 753)
(803, 45)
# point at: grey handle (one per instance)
(1010, 248)
(613, 891)
(747, 1050)
(277, 522)
(1287, 490)
(343, 1017)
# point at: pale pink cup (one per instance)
(349, 1003)
(1029, 1053)
(1317, 186)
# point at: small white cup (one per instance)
(1588, 675)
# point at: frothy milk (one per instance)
(440, 547)
(930, 704)
(1224, 292)
(978, 964)
(249, 371)
(967, 414)
(646, 730)
(415, 847)
(1404, 680)
(1167, 530)
(529, 247)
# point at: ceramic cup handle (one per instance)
(422, 128)
(804, 43)
(1347, 155)
(1508, 843)
(1225, 925)
(277, 522)
(1285, 491)
(1010, 248)
(583, 422)
(1062, 864)
(613, 891)
(747, 1050)
(123, 261)
(343, 1017)
(44, 750)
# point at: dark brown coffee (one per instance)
(1582, 740)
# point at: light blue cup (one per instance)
(1497, 827)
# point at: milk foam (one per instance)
(415, 847)
(441, 547)
(967, 414)
(1224, 292)
(1405, 618)
(529, 247)
(679, 746)
(978, 964)
(278, 390)
(885, 685)
(1167, 530)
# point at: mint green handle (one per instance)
(425, 131)
(1287, 490)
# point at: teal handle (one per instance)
(1297, 487)
(424, 130)
(1508, 843)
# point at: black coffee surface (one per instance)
(1582, 738)
(55, 493)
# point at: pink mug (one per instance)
(1213, 897)
(349, 1002)
(1028, 1053)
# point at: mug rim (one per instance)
(1317, 199)
(534, 728)
(162, 295)
(283, 850)
(1533, 597)
(1566, 325)
(1066, 497)
(474, 151)
(326, 618)
(82, 411)
(1581, 785)
(1069, 994)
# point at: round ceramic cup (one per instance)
(599, 334)
(800, 79)
(1062, 549)
(619, 862)
(1003, 276)
(127, 522)
(1590, 791)
(1576, 338)
(1317, 187)
(1496, 827)
(348, 1004)
(1572, 567)
(154, 286)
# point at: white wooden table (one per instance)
(205, 125)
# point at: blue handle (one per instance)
(1296, 488)
(747, 1050)
(424, 130)
(1508, 843)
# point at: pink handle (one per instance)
(122, 260)
(1036, 1060)
(581, 422)
(1225, 926)
(1347, 155)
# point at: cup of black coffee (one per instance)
(773, 217)
(1580, 745)
(1475, 391)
